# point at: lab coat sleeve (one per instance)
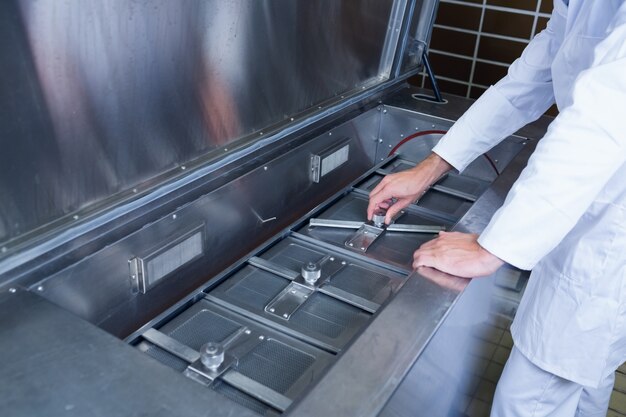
(523, 95)
(582, 150)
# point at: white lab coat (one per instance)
(565, 217)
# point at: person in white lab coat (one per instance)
(564, 218)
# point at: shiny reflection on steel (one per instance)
(414, 228)
(341, 224)
(128, 94)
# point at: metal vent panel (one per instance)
(450, 207)
(275, 365)
(325, 316)
(205, 326)
(363, 282)
(254, 288)
(294, 255)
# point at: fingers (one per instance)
(377, 197)
(396, 208)
(425, 257)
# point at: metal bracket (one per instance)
(364, 237)
(205, 376)
(289, 300)
(368, 232)
(295, 294)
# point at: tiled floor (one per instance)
(493, 351)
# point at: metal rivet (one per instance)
(247, 332)
(343, 262)
(351, 244)
(401, 136)
(362, 248)
(417, 128)
(75, 217)
(174, 216)
(264, 168)
(183, 167)
(40, 288)
(433, 126)
(261, 337)
(390, 146)
(292, 119)
(332, 259)
(260, 133)
(293, 291)
(380, 141)
(330, 133)
(272, 310)
(225, 149)
(285, 315)
(385, 111)
(12, 290)
(134, 190)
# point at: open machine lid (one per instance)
(102, 101)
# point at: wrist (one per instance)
(490, 261)
(435, 167)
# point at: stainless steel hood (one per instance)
(104, 101)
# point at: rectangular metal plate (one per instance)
(288, 301)
(364, 237)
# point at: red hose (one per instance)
(435, 132)
(416, 135)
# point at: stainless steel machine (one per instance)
(183, 188)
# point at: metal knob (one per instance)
(311, 272)
(379, 218)
(212, 355)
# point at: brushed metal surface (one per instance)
(106, 98)
(236, 219)
(61, 365)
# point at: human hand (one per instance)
(457, 254)
(406, 186)
(442, 279)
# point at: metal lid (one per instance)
(103, 101)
